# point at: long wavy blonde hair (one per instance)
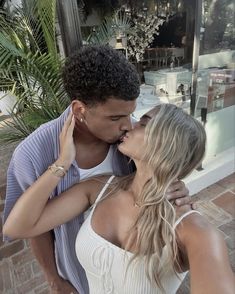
(175, 145)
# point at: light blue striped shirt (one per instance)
(30, 159)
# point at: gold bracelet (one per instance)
(57, 170)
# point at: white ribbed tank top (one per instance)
(106, 264)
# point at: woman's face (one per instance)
(132, 144)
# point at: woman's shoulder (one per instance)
(196, 231)
(95, 185)
(189, 221)
(197, 238)
(97, 179)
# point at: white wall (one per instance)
(220, 129)
(219, 160)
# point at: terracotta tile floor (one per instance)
(217, 203)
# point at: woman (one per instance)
(132, 240)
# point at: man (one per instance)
(103, 87)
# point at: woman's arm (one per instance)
(210, 271)
(33, 214)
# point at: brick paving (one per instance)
(20, 273)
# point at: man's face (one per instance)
(109, 121)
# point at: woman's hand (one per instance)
(67, 146)
(48, 214)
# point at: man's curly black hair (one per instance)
(96, 73)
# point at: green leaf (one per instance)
(30, 67)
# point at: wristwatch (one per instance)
(57, 170)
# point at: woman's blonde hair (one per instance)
(175, 145)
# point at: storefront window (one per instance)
(216, 74)
(156, 36)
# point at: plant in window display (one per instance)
(137, 31)
(114, 27)
(142, 34)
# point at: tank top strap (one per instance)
(103, 189)
(184, 216)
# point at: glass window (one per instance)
(216, 72)
(216, 75)
(155, 35)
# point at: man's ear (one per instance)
(78, 109)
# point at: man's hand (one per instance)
(62, 287)
(179, 194)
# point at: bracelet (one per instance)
(57, 170)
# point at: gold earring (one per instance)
(81, 119)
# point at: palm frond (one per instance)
(47, 14)
(14, 130)
(30, 67)
(111, 27)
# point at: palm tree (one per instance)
(30, 66)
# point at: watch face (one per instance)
(59, 172)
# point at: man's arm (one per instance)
(43, 249)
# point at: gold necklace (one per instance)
(135, 204)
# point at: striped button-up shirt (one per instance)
(30, 159)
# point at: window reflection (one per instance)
(216, 74)
(157, 37)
